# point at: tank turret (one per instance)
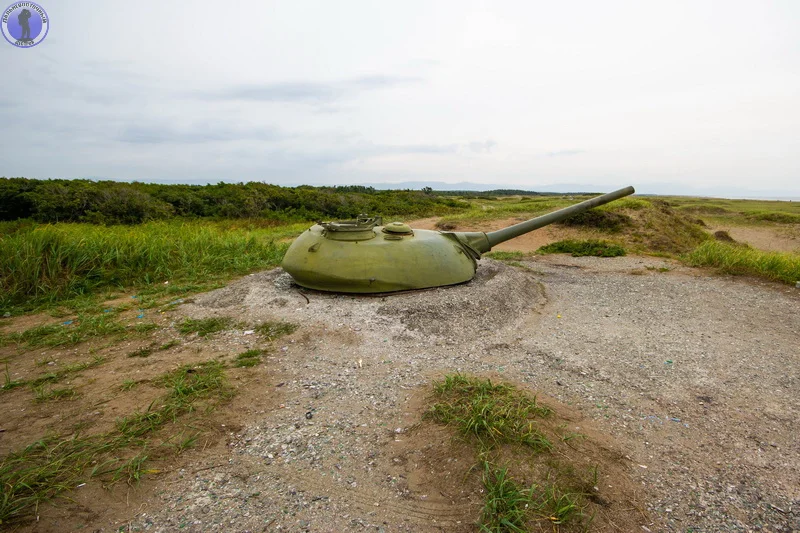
(365, 256)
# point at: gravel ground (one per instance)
(693, 378)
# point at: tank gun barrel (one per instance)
(502, 235)
(480, 242)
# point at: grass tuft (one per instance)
(491, 413)
(494, 416)
(275, 330)
(141, 352)
(506, 507)
(44, 393)
(9, 383)
(248, 359)
(204, 326)
(170, 344)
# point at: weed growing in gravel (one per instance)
(494, 416)
(145, 327)
(506, 507)
(170, 344)
(45, 393)
(186, 442)
(141, 352)
(9, 383)
(274, 330)
(583, 248)
(56, 464)
(492, 413)
(147, 351)
(204, 326)
(248, 358)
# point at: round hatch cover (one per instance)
(397, 227)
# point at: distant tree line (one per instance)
(111, 202)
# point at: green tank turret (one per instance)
(366, 256)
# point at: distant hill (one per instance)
(660, 189)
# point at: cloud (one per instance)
(197, 133)
(307, 91)
(482, 147)
(561, 153)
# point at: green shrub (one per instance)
(598, 219)
(583, 248)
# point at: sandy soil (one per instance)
(771, 239)
(684, 384)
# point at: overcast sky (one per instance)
(694, 94)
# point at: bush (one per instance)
(583, 248)
(599, 219)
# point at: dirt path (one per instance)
(685, 386)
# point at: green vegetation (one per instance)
(737, 259)
(274, 330)
(507, 504)
(9, 383)
(501, 421)
(108, 202)
(583, 248)
(491, 413)
(204, 326)
(601, 219)
(491, 208)
(738, 212)
(56, 464)
(45, 393)
(72, 332)
(147, 351)
(248, 358)
(505, 256)
(144, 351)
(50, 263)
(50, 377)
(169, 344)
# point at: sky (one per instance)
(672, 97)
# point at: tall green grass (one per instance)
(48, 263)
(733, 259)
